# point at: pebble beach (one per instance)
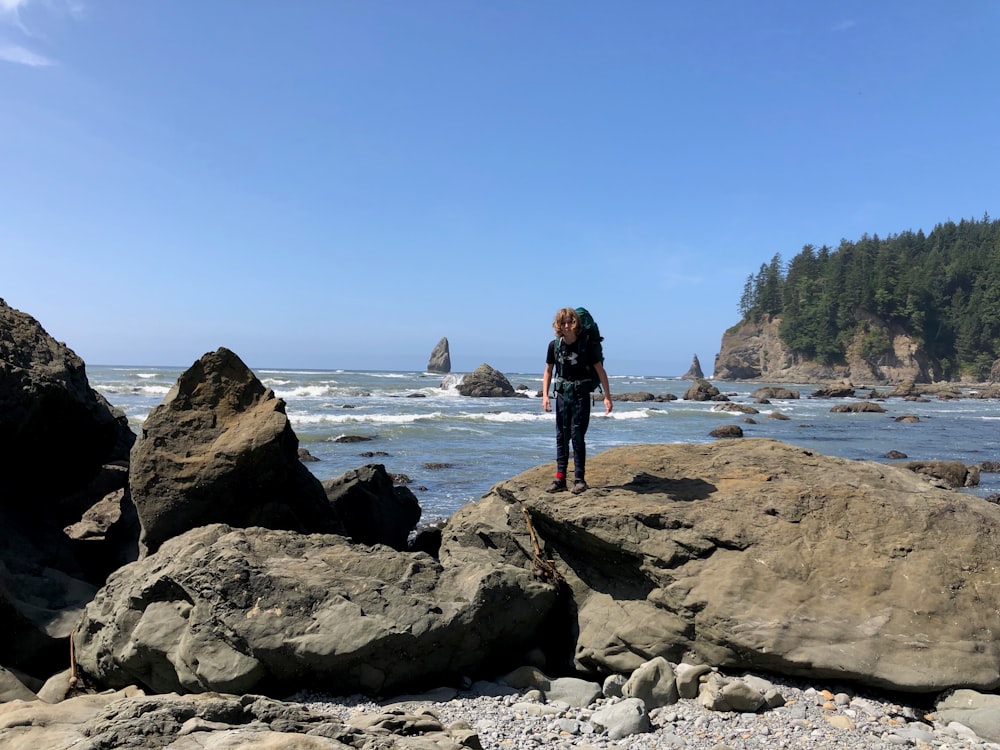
(812, 718)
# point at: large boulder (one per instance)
(256, 610)
(220, 449)
(702, 390)
(440, 359)
(760, 555)
(50, 416)
(58, 438)
(484, 381)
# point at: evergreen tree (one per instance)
(942, 288)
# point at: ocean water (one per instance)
(454, 448)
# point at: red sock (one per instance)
(560, 476)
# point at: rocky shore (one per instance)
(830, 717)
(173, 589)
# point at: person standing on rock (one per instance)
(574, 365)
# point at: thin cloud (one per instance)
(10, 17)
(15, 53)
(844, 26)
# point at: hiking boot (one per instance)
(558, 485)
(579, 486)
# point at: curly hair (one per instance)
(563, 316)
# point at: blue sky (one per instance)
(340, 184)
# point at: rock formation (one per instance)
(50, 416)
(741, 554)
(255, 610)
(484, 381)
(440, 360)
(702, 390)
(370, 509)
(753, 350)
(757, 554)
(219, 448)
(58, 441)
(694, 371)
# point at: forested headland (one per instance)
(942, 289)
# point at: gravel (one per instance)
(817, 718)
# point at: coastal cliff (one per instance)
(754, 350)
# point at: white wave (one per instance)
(304, 391)
(146, 375)
(275, 382)
(355, 418)
(512, 417)
(155, 390)
(451, 382)
(630, 414)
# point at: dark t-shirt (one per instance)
(577, 358)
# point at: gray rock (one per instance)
(440, 359)
(129, 720)
(370, 509)
(573, 691)
(244, 610)
(688, 678)
(622, 719)
(220, 449)
(613, 684)
(979, 712)
(485, 382)
(653, 683)
(720, 693)
(741, 697)
(12, 689)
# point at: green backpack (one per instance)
(591, 338)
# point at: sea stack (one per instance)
(440, 360)
(694, 371)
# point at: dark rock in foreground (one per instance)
(50, 416)
(58, 438)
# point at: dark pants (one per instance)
(572, 421)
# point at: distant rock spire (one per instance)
(694, 371)
(440, 360)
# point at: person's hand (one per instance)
(546, 403)
(608, 404)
